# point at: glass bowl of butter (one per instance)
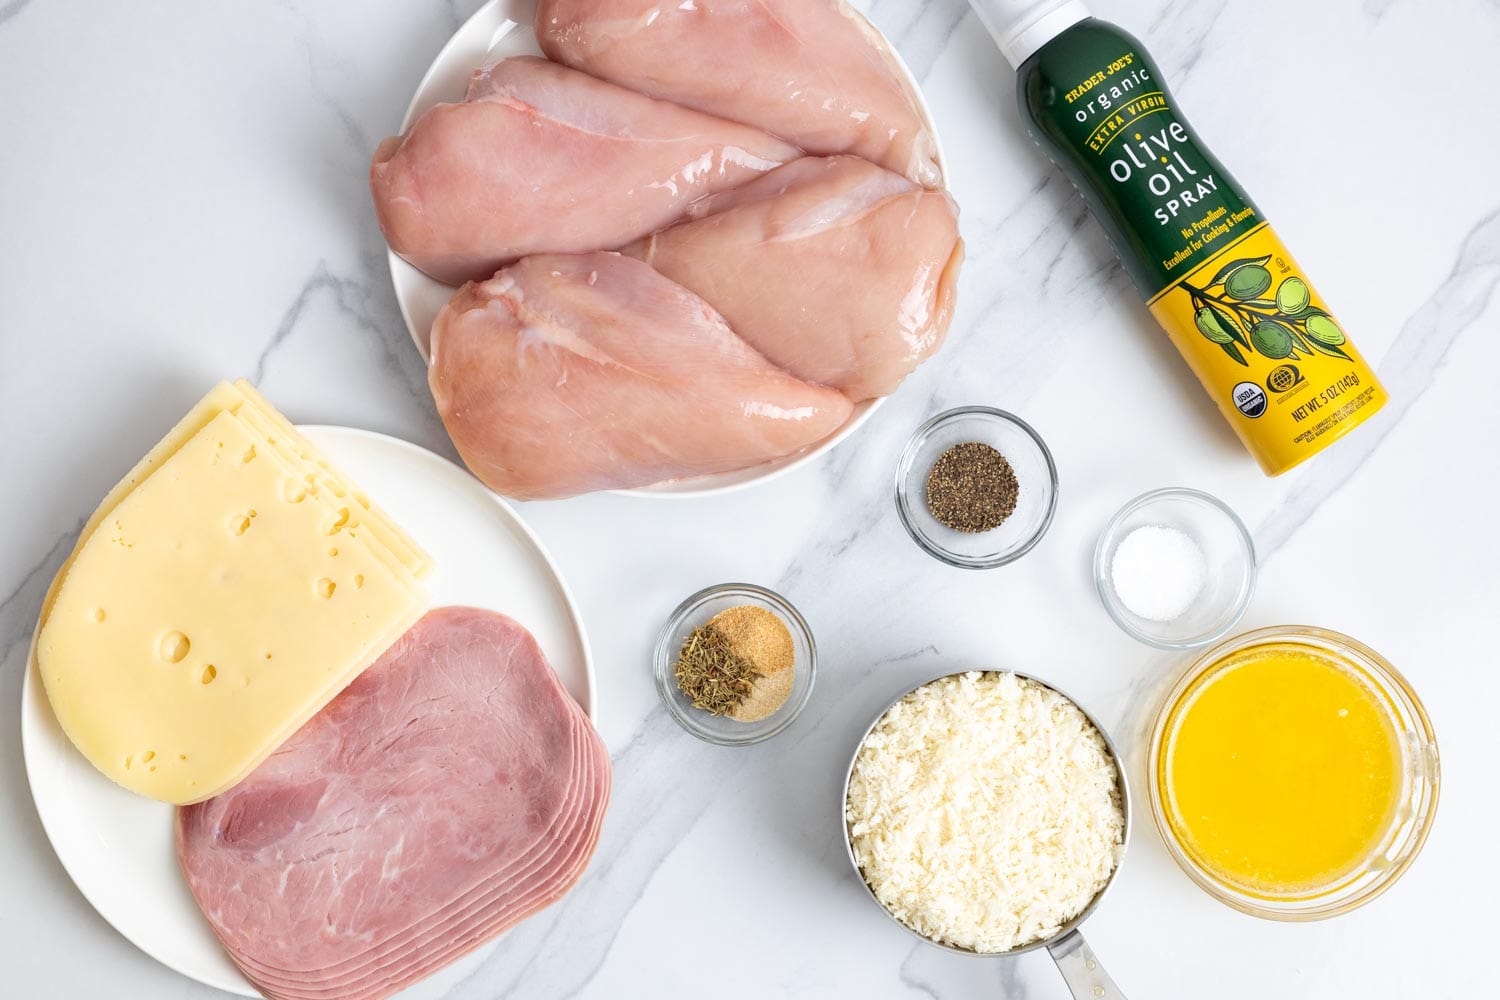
(1293, 773)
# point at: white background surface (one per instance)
(182, 199)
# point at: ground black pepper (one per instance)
(972, 488)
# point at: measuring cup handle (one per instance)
(1081, 970)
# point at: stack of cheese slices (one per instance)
(222, 593)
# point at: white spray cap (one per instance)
(1020, 27)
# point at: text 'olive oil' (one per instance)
(1212, 270)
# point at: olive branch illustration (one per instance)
(1233, 312)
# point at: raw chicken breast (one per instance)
(874, 257)
(544, 158)
(811, 71)
(569, 373)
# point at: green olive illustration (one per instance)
(1248, 282)
(1293, 296)
(1271, 339)
(1325, 331)
(1211, 325)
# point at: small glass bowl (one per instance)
(1228, 554)
(1036, 475)
(1414, 815)
(697, 610)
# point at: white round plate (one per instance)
(504, 28)
(118, 847)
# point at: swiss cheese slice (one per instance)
(220, 398)
(233, 398)
(215, 603)
(329, 486)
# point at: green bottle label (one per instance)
(1218, 279)
(1098, 104)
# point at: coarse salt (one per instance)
(1158, 571)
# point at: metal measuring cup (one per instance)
(1077, 962)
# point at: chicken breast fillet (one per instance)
(569, 373)
(811, 71)
(875, 259)
(542, 158)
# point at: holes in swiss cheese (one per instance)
(174, 647)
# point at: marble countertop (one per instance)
(182, 198)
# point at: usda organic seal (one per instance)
(1249, 399)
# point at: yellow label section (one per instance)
(1272, 356)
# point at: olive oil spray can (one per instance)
(1211, 269)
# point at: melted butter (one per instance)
(1281, 770)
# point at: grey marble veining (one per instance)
(134, 133)
(1409, 370)
(11, 8)
(925, 29)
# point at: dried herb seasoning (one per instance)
(739, 663)
(972, 488)
(713, 676)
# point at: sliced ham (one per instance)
(569, 373)
(452, 790)
(811, 71)
(461, 914)
(474, 919)
(542, 158)
(875, 256)
(445, 937)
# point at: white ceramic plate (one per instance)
(118, 847)
(504, 28)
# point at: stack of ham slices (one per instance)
(449, 792)
(694, 237)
